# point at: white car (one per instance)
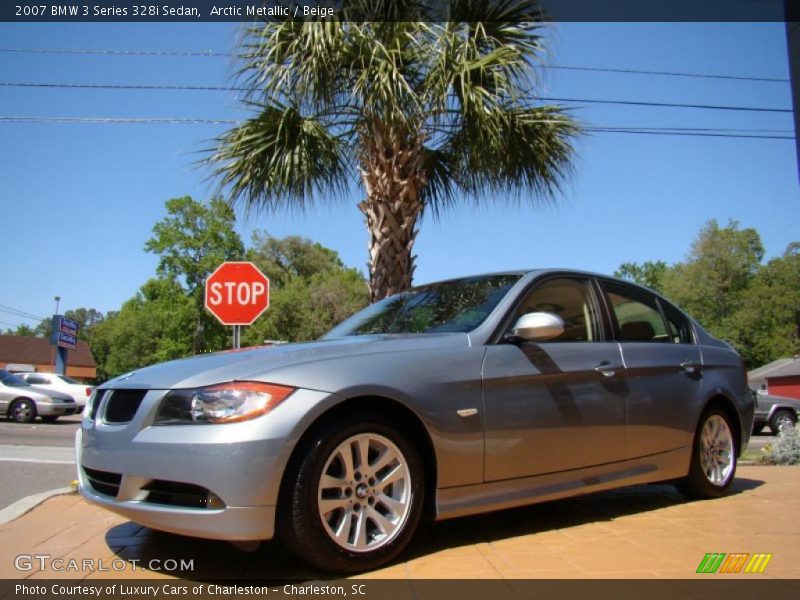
(60, 383)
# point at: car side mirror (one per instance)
(537, 327)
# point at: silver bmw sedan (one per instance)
(451, 399)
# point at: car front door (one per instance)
(663, 369)
(555, 405)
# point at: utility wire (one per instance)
(119, 120)
(118, 52)
(667, 104)
(668, 73)
(211, 53)
(19, 313)
(218, 88)
(688, 131)
(123, 86)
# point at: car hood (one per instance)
(257, 363)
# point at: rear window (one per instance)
(638, 316)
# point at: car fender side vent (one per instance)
(174, 493)
(103, 482)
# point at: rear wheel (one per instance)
(782, 419)
(23, 411)
(356, 496)
(714, 453)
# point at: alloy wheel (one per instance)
(716, 450)
(784, 422)
(364, 496)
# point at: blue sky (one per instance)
(80, 200)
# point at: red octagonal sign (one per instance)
(237, 293)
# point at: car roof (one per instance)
(532, 272)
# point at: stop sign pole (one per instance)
(237, 293)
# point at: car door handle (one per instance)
(690, 366)
(608, 370)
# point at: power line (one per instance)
(669, 73)
(768, 134)
(20, 313)
(213, 54)
(123, 86)
(687, 133)
(119, 120)
(668, 104)
(210, 53)
(218, 88)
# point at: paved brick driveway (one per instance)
(637, 532)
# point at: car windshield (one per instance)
(67, 379)
(11, 380)
(458, 305)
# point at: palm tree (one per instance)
(422, 114)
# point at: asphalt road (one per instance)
(35, 457)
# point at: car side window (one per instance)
(572, 300)
(638, 316)
(679, 329)
(34, 379)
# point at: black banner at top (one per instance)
(70, 11)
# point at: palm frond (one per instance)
(530, 150)
(280, 157)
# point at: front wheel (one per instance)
(714, 453)
(356, 497)
(23, 411)
(781, 420)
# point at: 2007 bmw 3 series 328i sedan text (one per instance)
(451, 399)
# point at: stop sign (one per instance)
(237, 293)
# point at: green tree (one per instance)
(310, 289)
(191, 241)
(767, 325)
(157, 324)
(21, 329)
(649, 273)
(712, 283)
(424, 114)
(724, 285)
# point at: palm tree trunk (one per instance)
(391, 170)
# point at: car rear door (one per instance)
(556, 405)
(662, 366)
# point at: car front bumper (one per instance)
(209, 481)
(55, 409)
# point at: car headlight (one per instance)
(224, 403)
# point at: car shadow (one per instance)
(199, 559)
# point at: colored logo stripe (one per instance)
(721, 562)
(734, 563)
(710, 562)
(758, 563)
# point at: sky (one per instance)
(79, 201)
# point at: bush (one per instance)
(786, 449)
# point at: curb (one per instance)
(20, 507)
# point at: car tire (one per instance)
(50, 419)
(22, 411)
(342, 516)
(782, 419)
(714, 452)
